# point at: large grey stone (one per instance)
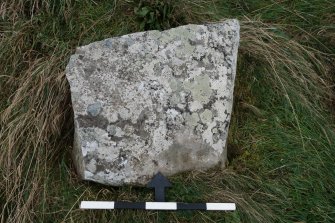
(153, 101)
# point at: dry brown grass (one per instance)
(296, 71)
(14, 9)
(292, 66)
(32, 121)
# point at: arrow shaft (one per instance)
(160, 194)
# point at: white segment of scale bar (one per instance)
(220, 206)
(160, 205)
(97, 205)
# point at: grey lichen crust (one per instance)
(153, 101)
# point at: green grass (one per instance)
(282, 134)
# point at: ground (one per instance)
(281, 145)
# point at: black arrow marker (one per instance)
(159, 182)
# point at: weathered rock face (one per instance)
(153, 101)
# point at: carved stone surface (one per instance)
(153, 101)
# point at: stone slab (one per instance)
(153, 101)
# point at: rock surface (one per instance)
(153, 101)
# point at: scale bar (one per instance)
(157, 205)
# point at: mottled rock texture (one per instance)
(153, 101)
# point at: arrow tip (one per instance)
(159, 180)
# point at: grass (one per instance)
(281, 142)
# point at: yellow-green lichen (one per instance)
(200, 88)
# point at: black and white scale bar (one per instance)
(157, 205)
